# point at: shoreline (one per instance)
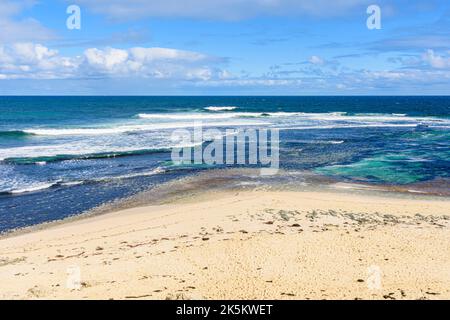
(225, 244)
(169, 192)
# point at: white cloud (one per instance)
(152, 54)
(219, 9)
(316, 60)
(152, 62)
(110, 60)
(35, 61)
(435, 60)
(13, 29)
(259, 82)
(170, 68)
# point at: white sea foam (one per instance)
(72, 183)
(296, 116)
(32, 188)
(73, 150)
(323, 120)
(134, 128)
(344, 185)
(229, 115)
(221, 108)
(415, 191)
(320, 141)
(153, 172)
(40, 186)
(200, 115)
(187, 116)
(153, 131)
(344, 126)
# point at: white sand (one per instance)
(255, 244)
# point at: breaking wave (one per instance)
(220, 108)
(40, 186)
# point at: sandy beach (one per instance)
(240, 245)
(235, 151)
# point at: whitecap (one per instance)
(32, 188)
(135, 128)
(220, 108)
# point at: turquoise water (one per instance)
(60, 156)
(411, 157)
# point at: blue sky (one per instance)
(229, 47)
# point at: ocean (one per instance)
(62, 156)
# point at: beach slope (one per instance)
(240, 245)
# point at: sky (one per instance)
(224, 47)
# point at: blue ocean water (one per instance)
(60, 156)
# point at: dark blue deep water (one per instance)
(60, 156)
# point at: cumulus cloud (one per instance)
(435, 60)
(316, 78)
(35, 61)
(316, 60)
(219, 9)
(171, 68)
(151, 62)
